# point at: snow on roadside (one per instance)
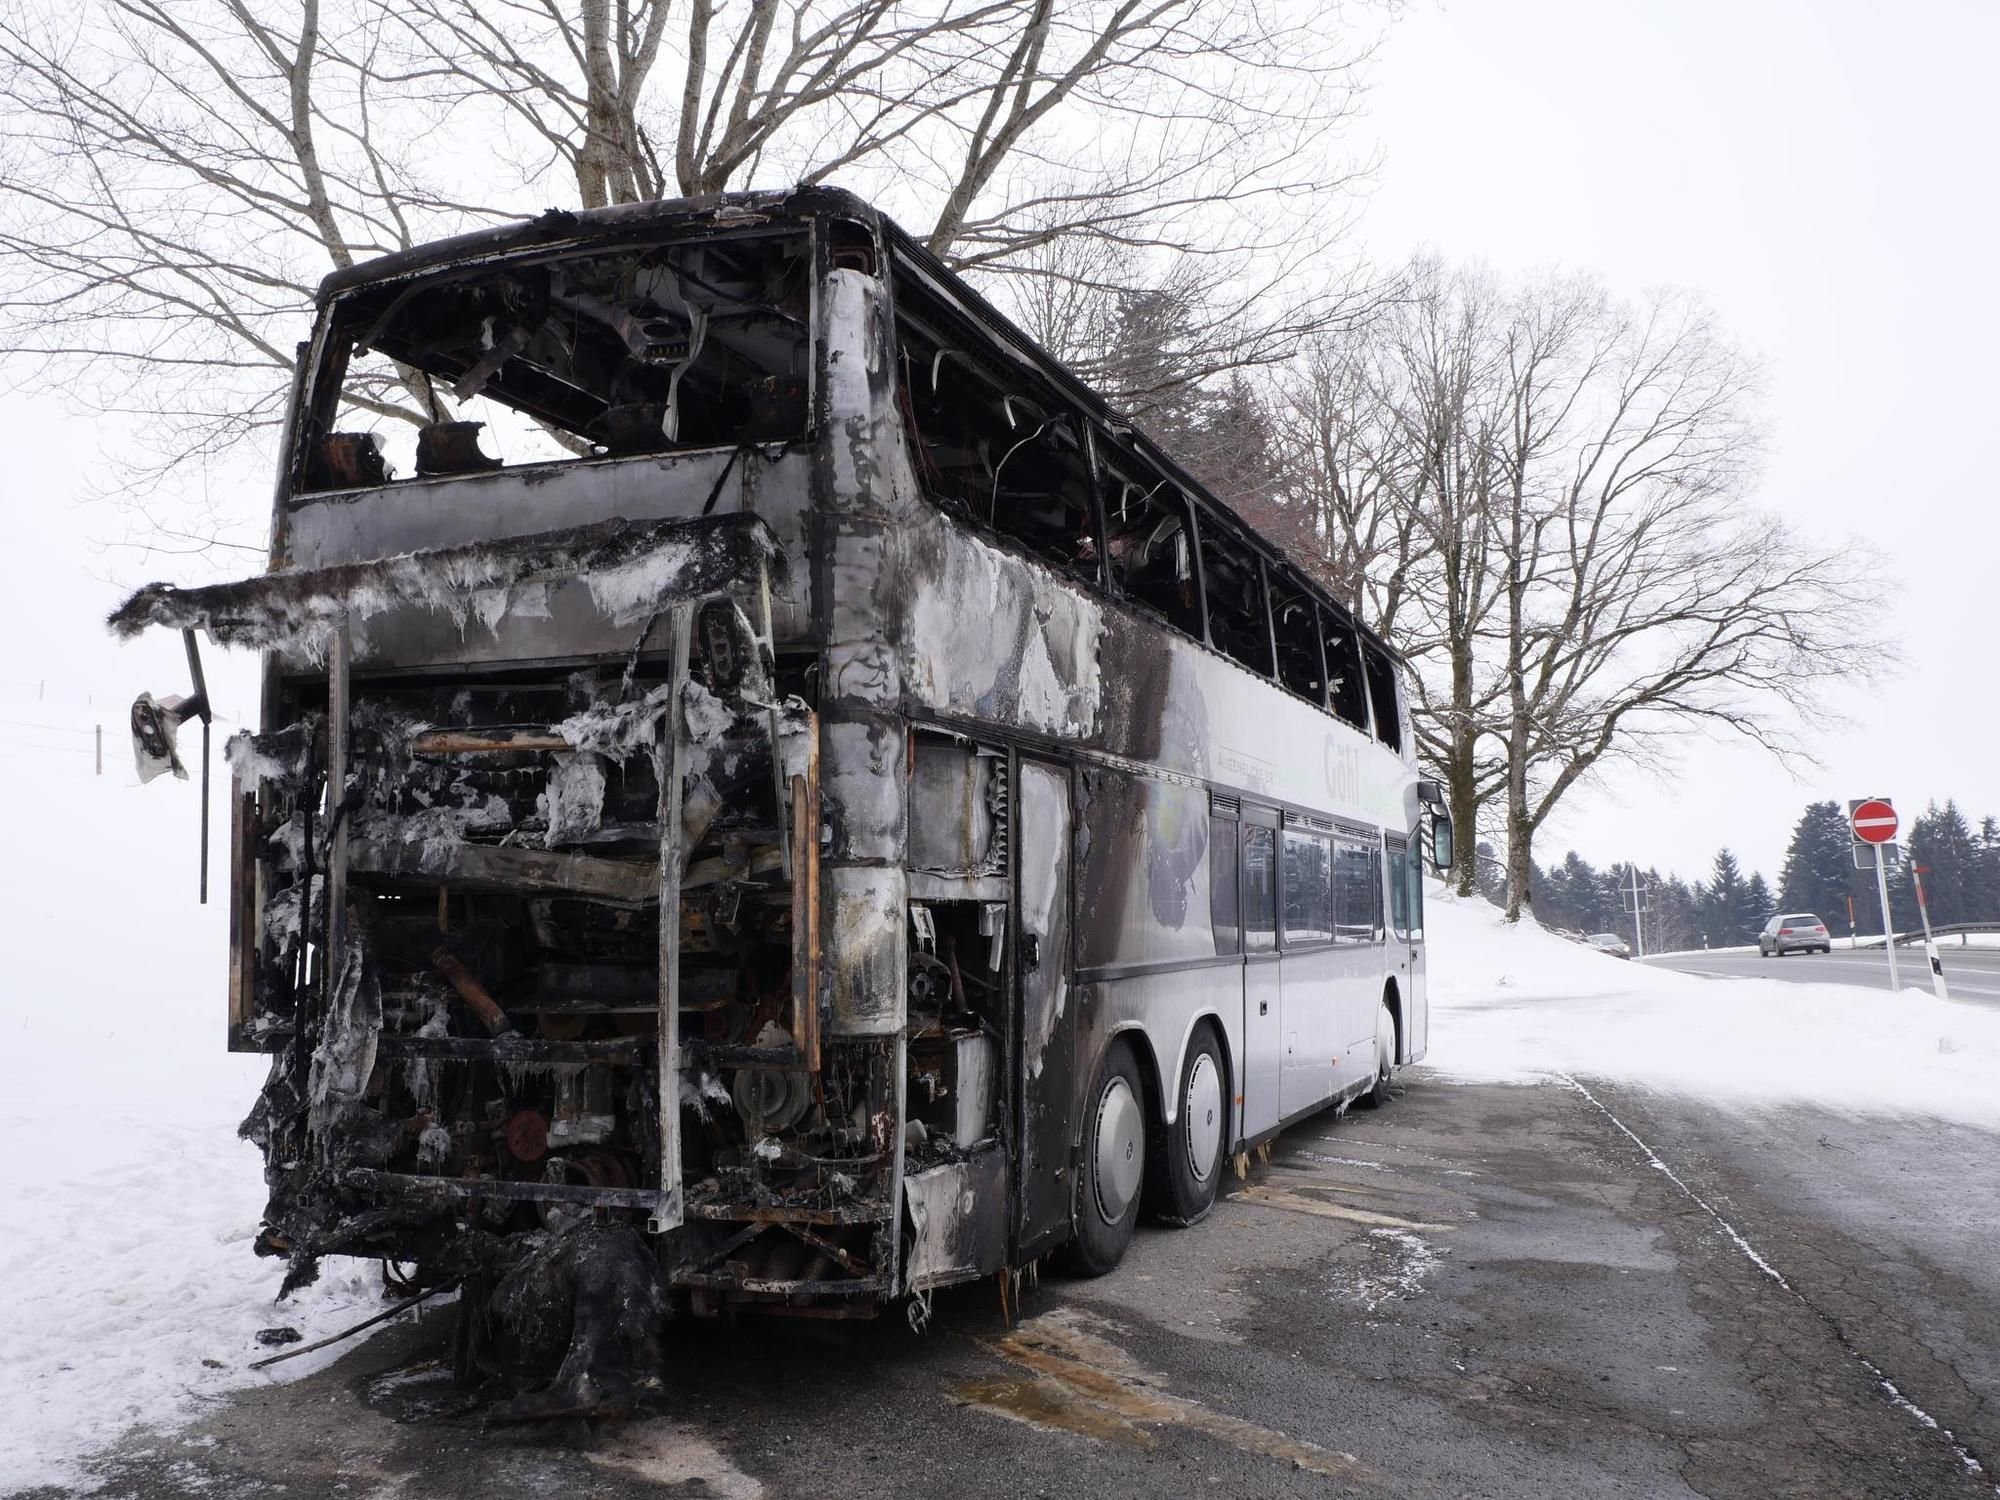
(1514, 1004)
(129, 1294)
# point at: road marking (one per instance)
(1896, 1398)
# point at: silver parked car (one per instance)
(1609, 942)
(1799, 932)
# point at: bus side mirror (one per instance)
(1441, 848)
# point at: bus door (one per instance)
(1046, 1075)
(1406, 941)
(1263, 1008)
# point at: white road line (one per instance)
(1896, 1398)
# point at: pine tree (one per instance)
(1986, 871)
(1758, 906)
(1723, 911)
(1942, 844)
(1819, 865)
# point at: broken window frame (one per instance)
(1165, 494)
(1300, 595)
(1379, 671)
(1348, 673)
(322, 402)
(1215, 537)
(927, 320)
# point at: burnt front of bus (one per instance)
(513, 714)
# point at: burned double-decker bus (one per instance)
(774, 796)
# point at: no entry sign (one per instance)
(1874, 821)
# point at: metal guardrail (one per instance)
(1950, 929)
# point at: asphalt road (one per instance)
(1478, 1291)
(1972, 974)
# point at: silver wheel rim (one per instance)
(1119, 1154)
(1201, 1113)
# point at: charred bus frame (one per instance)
(1030, 834)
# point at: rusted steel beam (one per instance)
(475, 995)
(339, 704)
(487, 867)
(410, 1185)
(743, 1213)
(486, 741)
(620, 1049)
(820, 1242)
(244, 905)
(723, 1282)
(741, 1055)
(667, 1215)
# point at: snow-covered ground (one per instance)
(129, 1295)
(1519, 1003)
(128, 1291)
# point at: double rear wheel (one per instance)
(1175, 1169)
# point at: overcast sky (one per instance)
(1821, 171)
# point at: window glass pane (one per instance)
(1358, 891)
(1308, 888)
(1260, 889)
(1415, 877)
(1222, 884)
(1144, 881)
(1399, 888)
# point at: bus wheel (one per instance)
(1114, 1164)
(1385, 1060)
(1185, 1165)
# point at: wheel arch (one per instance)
(1392, 997)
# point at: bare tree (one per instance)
(1539, 494)
(1385, 430)
(176, 175)
(1642, 597)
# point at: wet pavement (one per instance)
(1477, 1291)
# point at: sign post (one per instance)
(1874, 822)
(1635, 898)
(1930, 943)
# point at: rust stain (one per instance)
(1272, 1197)
(1081, 1382)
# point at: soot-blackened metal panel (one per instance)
(1041, 844)
(958, 1221)
(357, 525)
(862, 758)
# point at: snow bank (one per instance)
(1515, 1004)
(128, 1291)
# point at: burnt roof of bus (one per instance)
(559, 229)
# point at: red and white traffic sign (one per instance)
(1874, 821)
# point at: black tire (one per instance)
(1101, 1237)
(1180, 1188)
(1385, 1060)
